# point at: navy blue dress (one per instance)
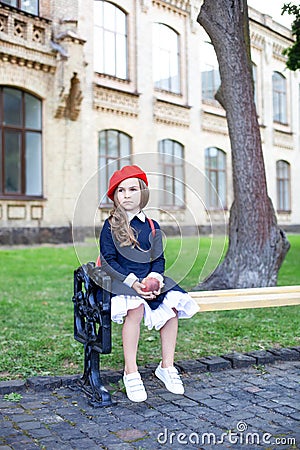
(119, 262)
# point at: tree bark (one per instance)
(257, 246)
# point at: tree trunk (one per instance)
(257, 246)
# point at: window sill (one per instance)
(217, 210)
(163, 208)
(106, 76)
(213, 109)
(282, 128)
(165, 91)
(22, 198)
(284, 212)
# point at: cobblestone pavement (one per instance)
(244, 408)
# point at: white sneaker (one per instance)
(170, 377)
(134, 387)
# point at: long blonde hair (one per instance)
(118, 219)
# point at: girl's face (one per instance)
(129, 195)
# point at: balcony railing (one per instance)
(21, 28)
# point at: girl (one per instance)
(131, 253)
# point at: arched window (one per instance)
(166, 61)
(21, 143)
(279, 98)
(283, 176)
(210, 76)
(31, 6)
(110, 40)
(172, 181)
(114, 153)
(215, 170)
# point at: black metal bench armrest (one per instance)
(92, 307)
(92, 326)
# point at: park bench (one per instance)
(92, 317)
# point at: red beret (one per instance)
(121, 175)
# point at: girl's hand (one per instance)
(137, 286)
(156, 293)
(157, 283)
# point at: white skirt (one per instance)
(155, 318)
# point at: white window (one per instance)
(283, 186)
(210, 76)
(215, 170)
(279, 98)
(172, 191)
(166, 58)
(110, 40)
(114, 153)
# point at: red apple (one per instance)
(151, 284)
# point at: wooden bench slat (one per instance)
(247, 298)
(253, 291)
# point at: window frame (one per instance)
(172, 165)
(23, 130)
(283, 186)
(121, 161)
(215, 77)
(210, 186)
(157, 51)
(105, 32)
(19, 7)
(279, 96)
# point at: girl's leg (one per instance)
(130, 335)
(168, 335)
(166, 371)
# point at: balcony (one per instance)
(25, 39)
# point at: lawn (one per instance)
(36, 310)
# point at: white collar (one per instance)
(140, 215)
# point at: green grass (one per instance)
(36, 311)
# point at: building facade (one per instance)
(89, 86)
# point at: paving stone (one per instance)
(213, 402)
(55, 444)
(41, 383)
(215, 363)
(192, 366)
(6, 387)
(30, 425)
(297, 348)
(286, 411)
(262, 357)
(295, 415)
(18, 418)
(86, 443)
(239, 360)
(285, 354)
(131, 435)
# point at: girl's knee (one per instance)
(136, 313)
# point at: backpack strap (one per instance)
(152, 226)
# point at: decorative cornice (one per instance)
(181, 7)
(171, 114)
(70, 36)
(214, 123)
(277, 51)
(283, 139)
(26, 62)
(257, 40)
(115, 101)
